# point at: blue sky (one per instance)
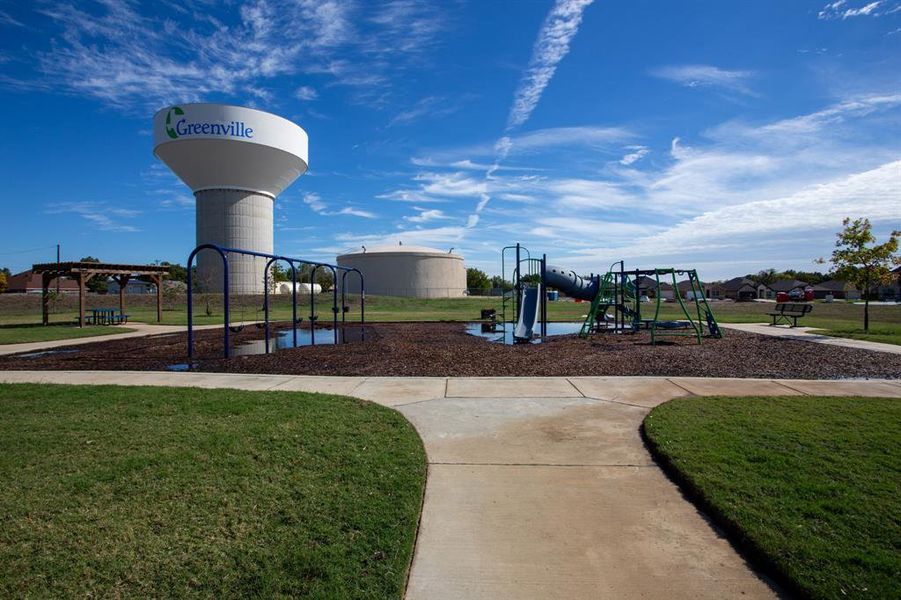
(730, 136)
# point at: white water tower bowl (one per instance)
(236, 160)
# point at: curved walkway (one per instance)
(137, 330)
(805, 334)
(541, 487)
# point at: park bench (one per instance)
(789, 313)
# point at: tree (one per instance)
(95, 284)
(4, 282)
(476, 279)
(176, 271)
(499, 283)
(859, 261)
(324, 278)
(765, 277)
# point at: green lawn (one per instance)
(832, 318)
(17, 334)
(163, 492)
(809, 485)
(886, 335)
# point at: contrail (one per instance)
(552, 45)
(558, 30)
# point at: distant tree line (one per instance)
(770, 276)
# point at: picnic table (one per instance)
(107, 316)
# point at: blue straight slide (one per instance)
(528, 314)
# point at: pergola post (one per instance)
(81, 283)
(158, 281)
(83, 279)
(46, 278)
(122, 280)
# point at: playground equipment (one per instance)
(616, 289)
(528, 303)
(272, 259)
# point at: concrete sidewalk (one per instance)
(541, 487)
(802, 334)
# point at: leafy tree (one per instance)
(176, 271)
(95, 284)
(811, 277)
(476, 279)
(4, 283)
(324, 278)
(278, 273)
(765, 277)
(499, 283)
(858, 260)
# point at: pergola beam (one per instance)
(84, 271)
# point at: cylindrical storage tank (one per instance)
(411, 271)
(236, 160)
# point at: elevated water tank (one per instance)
(412, 271)
(236, 160)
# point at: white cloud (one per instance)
(306, 93)
(137, 62)
(431, 107)
(552, 45)
(100, 214)
(426, 215)
(697, 76)
(636, 154)
(356, 212)
(842, 9)
(320, 207)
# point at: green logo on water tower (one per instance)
(169, 130)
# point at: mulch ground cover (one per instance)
(445, 349)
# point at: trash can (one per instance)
(553, 295)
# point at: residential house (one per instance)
(793, 287)
(134, 286)
(838, 289)
(742, 289)
(27, 282)
(711, 291)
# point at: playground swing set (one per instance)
(264, 324)
(617, 289)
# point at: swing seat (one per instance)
(236, 328)
(673, 324)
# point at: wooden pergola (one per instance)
(82, 272)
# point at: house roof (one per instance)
(834, 285)
(787, 285)
(29, 280)
(736, 283)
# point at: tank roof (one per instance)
(398, 249)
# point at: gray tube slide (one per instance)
(570, 284)
(528, 313)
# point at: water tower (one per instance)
(236, 160)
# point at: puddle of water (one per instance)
(46, 353)
(504, 335)
(284, 339)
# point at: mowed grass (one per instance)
(809, 484)
(18, 334)
(163, 492)
(835, 318)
